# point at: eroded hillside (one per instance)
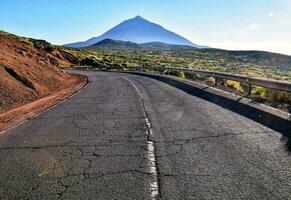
(30, 69)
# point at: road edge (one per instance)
(234, 97)
(27, 116)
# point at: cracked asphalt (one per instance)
(95, 146)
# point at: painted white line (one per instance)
(153, 170)
(2, 132)
(154, 186)
(53, 106)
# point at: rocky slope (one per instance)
(30, 69)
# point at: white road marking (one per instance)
(154, 187)
(153, 170)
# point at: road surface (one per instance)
(133, 137)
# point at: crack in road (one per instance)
(154, 187)
(104, 148)
(187, 140)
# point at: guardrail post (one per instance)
(249, 89)
(215, 81)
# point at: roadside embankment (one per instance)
(31, 78)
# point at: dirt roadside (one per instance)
(12, 117)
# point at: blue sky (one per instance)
(230, 24)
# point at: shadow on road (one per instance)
(267, 119)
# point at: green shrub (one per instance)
(178, 74)
(280, 97)
(210, 80)
(26, 41)
(89, 62)
(181, 75)
(234, 84)
(118, 66)
(260, 91)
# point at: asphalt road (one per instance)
(133, 137)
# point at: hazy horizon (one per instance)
(234, 25)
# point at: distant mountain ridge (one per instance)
(110, 43)
(138, 30)
(118, 44)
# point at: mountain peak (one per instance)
(138, 17)
(138, 30)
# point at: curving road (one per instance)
(126, 136)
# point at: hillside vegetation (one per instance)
(250, 63)
(123, 55)
(121, 45)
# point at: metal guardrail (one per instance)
(272, 84)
